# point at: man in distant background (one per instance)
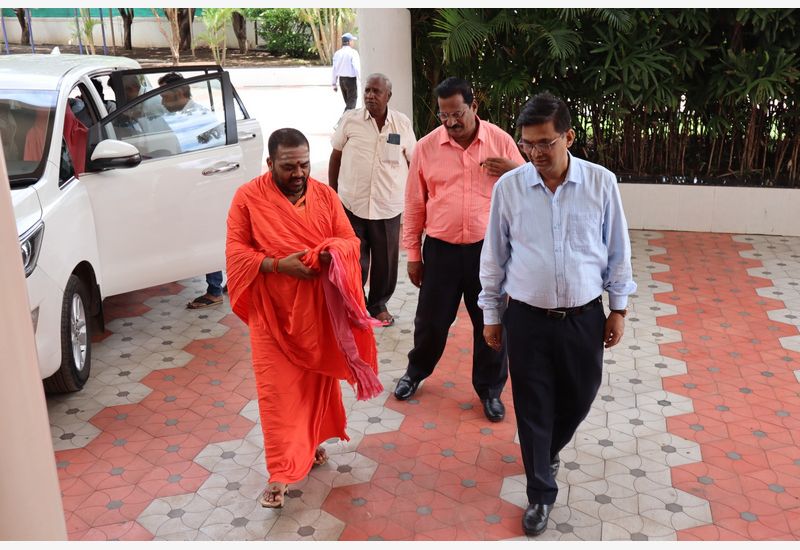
(346, 70)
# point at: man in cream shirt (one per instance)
(368, 168)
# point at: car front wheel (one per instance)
(76, 341)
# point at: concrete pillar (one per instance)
(384, 44)
(30, 498)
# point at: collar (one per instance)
(574, 172)
(444, 137)
(389, 117)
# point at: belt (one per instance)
(561, 313)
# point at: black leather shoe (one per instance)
(406, 387)
(534, 521)
(494, 409)
(554, 466)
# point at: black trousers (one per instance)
(349, 87)
(451, 271)
(556, 369)
(380, 249)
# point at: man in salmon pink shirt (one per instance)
(448, 193)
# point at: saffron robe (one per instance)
(299, 350)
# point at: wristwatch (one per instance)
(622, 312)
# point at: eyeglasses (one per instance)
(444, 117)
(540, 147)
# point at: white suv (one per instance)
(114, 187)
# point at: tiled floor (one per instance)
(695, 433)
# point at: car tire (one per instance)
(76, 340)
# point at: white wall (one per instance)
(30, 497)
(384, 45)
(757, 210)
(145, 33)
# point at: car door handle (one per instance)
(247, 136)
(220, 169)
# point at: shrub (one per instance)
(284, 33)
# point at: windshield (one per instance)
(26, 120)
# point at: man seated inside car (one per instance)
(195, 125)
(141, 118)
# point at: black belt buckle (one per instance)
(556, 314)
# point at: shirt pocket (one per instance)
(390, 153)
(485, 183)
(584, 231)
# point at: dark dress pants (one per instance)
(349, 86)
(556, 369)
(451, 271)
(380, 249)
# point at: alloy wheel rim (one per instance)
(78, 332)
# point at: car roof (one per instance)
(45, 71)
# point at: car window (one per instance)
(66, 170)
(26, 122)
(239, 108)
(180, 119)
(83, 106)
(104, 91)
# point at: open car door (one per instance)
(164, 220)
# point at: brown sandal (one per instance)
(277, 491)
(320, 457)
(203, 301)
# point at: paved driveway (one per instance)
(296, 97)
(693, 436)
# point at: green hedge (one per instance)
(682, 95)
(283, 33)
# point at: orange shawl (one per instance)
(262, 223)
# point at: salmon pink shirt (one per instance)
(448, 192)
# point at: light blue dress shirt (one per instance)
(553, 250)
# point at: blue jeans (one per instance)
(214, 281)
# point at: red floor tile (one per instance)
(739, 441)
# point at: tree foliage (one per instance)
(327, 27)
(84, 29)
(661, 93)
(215, 20)
(282, 31)
(302, 32)
(173, 37)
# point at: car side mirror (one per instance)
(112, 153)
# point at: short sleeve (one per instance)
(339, 137)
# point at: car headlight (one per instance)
(30, 243)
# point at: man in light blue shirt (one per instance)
(556, 239)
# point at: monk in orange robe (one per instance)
(294, 277)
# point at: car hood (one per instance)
(27, 208)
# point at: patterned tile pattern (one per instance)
(693, 434)
(738, 305)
